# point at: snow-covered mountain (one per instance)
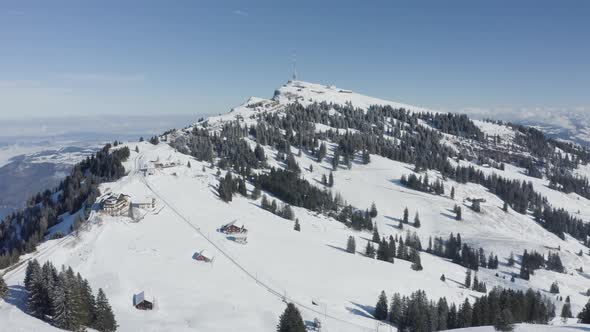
(246, 284)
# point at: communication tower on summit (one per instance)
(294, 64)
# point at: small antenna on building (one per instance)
(294, 63)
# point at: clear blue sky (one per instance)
(124, 57)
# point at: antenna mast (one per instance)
(294, 63)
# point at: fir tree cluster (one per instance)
(501, 308)
(394, 247)
(461, 253)
(66, 299)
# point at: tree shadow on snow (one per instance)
(361, 310)
(393, 218)
(450, 216)
(455, 281)
(17, 296)
(337, 248)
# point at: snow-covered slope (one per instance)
(246, 284)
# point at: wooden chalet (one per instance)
(139, 302)
(203, 256)
(233, 228)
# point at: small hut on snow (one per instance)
(139, 302)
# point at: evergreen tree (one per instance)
(465, 314)
(584, 315)
(381, 307)
(373, 210)
(297, 227)
(453, 193)
(87, 302)
(554, 289)
(37, 302)
(321, 152)
(396, 309)
(442, 278)
(105, 319)
(505, 207)
(376, 238)
(416, 261)
(66, 302)
(566, 311)
(331, 180)
(265, 204)
(188, 164)
(369, 250)
(504, 321)
(417, 220)
(291, 320)
(3, 288)
(459, 214)
(33, 269)
(406, 216)
(511, 259)
(256, 192)
(351, 245)
(468, 279)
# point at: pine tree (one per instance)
(417, 220)
(465, 314)
(3, 288)
(373, 210)
(381, 307)
(265, 204)
(369, 250)
(376, 238)
(395, 309)
(33, 269)
(351, 245)
(459, 214)
(66, 302)
(37, 302)
(416, 261)
(453, 193)
(504, 321)
(443, 278)
(136, 149)
(468, 279)
(566, 311)
(87, 302)
(188, 164)
(584, 315)
(297, 226)
(105, 319)
(406, 216)
(554, 289)
(321, 152)
(511, 259)
(331, 180)
(256, 192)
(290, 320)
(505, 207)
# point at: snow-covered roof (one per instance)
(138, 298)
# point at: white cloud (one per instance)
(240, 12)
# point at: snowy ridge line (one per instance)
(268, 288)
